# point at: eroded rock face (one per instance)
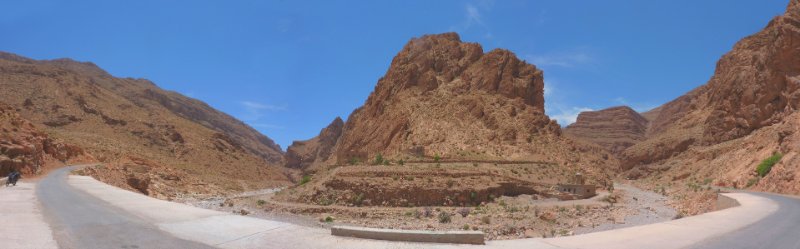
(302, 154)
(25, 148)
(615, 128)
(116, 118)
(755, 85)
(445, 98)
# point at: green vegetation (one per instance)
(765, 166)
(358, 199)
(473, 195)
(466, 227)
(401, 162)
(378, 159)
(444, 217)
(328, 219)
(353, 161)
(436, 158)
(305, 179)
(261, 202)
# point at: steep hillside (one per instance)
(722, 130)
(121, 120)
(25, 148)
(302, 154)
(615, 128)
(444, 98)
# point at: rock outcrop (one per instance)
(117, 118)
(615, 128)
(756, 84)
(448, 99)
(746, 112)
(302, 154)
(25, 148)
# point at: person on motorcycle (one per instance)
(13, 177)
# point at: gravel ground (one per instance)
(644, 207)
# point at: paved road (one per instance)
(80, 220)
(780, 230)
(85, 213)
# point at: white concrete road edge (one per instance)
(22, 225)
(226, 230)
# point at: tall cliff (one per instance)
(447, 98)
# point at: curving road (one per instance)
(79, 220)
(780, 230)
(84, 213)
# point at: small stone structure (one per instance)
(578, 188)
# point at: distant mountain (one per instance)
(615, 128)
(722, 131)
(117, 119)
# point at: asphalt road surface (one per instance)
(80, 220)
(780, 230)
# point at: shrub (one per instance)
(329, 219)
(261, 202)
(427, 212)
(473, 195)
(466, 227)
(444, 217)
(378, 159)
(353, 161)
(401, 162)
(358, 199)
(765, 166)
(436, 158)
(464, 211)
(305, 179)
(679, 215)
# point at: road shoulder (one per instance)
(23, 223)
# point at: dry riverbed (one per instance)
(522, 216)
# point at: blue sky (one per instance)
(288, 68)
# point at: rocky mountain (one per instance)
(747, 112)
(302, 154)
(121, 120)
(25, 148)
(448, 99)
(615, 128)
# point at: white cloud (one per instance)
(473, 17)
(570, 59)
(549, 88)
(254, 111)
(566, 116)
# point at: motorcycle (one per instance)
(12, 180)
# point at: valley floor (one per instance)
(524, 216)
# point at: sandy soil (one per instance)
(522, 216)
